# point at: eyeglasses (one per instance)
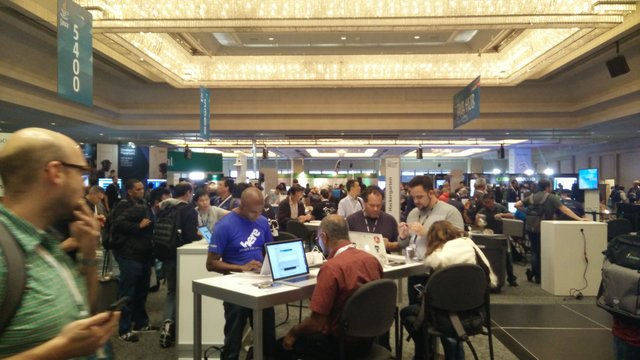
(83, 168)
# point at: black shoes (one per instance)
(167, 334)
(129, 337)
(531, 277)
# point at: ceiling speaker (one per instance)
(617, 66)
(419, 153)
(501, 152)
(265, 153)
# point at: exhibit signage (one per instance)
(75, 53)
(466, 104)
(205, 112)
(392, 187)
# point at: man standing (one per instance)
(133, 230)
(237, 245)
(544, 204)
(372, 219)
(414, 232)
(346, 269)
(113, 191)
(352, 202)
(187, 218)
(41, 171)
(225, 197)
(94, 198)
(292, 208)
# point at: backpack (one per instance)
(167, 232)
(535, 214)
(619, 292)
(16, 283)
(110, 239)
(615, 197)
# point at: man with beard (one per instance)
(413, 233)
(42, 175)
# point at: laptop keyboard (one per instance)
(298, 279)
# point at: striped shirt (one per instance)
(47, 302)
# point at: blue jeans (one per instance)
(235, 317)
(134, 283)
(625, 351)
(169, 273)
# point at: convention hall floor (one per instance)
(530, 324)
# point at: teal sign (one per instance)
(198, 162)
(75, 53)
(205, 112)
(466, 104)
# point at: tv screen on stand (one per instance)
(588, 179)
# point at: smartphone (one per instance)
(117, 306)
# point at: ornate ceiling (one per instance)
(190, 43)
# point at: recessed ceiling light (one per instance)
(416, 37)
(53, 124)
(141, 59)
(271, 39)
(343, 37)
(101, 134)
(424, 133)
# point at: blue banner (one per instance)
(205, 112)
(75, 53)
(466, 104)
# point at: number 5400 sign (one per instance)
(75, 53)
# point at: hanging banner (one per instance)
(392, 187)
(75, 53)
(205, 112)
(466, 104)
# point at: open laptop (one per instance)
(206, 233)
(371, 243)
(288, 263)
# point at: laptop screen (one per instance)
(287, 259)
(205, 232)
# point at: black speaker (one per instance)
(501, 152)
(617, 66)
(265, 153)
(419, 153)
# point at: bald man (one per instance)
(42, 175)
(237, 245)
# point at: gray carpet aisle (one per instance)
(526, 293)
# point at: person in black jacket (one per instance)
(188, 226)
(292, 208)
(132, 249)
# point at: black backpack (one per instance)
(167, 232)
(624, 250)
(110, 239)
(535, 214)
(16, 277)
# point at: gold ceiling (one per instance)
(552, 30)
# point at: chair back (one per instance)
(298, 229)
(283, 235)
(618, 227)
(513, 228)
(457, 288)
(370, 311)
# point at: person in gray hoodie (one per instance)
(188, 224)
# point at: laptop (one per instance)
(288, 263)
(205, 232)
(371, 243)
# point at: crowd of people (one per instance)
(58, 227)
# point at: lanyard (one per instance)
(204, 221)
(225, 200)
(375, 224)
(343, 249)
(64, 272)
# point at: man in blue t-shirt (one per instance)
(237, 245)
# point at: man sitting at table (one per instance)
(346, 269)
(237, 245)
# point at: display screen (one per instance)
(440, 183)
(588, 179)
(566, 182)
(85, 180)
(104, 182)
(156, 182)
(287, 259)
(205, 232)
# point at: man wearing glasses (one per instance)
(42, 175)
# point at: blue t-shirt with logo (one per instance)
(238, 240)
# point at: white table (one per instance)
(238, 289)
(563, 252)
(312, 225)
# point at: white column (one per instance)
(157, 156)
(107, 152)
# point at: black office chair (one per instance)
(457, 306)
(618, 227)
(376, 297)
(298, 229)
(283, 235)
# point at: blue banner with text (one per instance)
(466, 104)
